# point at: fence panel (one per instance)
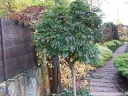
(18, 49)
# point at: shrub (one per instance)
(104, 55)
(113, 45)
(121, 63)
(124, 39)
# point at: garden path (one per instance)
(102, 81)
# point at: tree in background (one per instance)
(70, 32)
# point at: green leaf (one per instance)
(87, 57)
(80, 53)
(65, 54)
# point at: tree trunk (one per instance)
(56, 86)
(73, 79)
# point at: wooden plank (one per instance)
(14, 52)
(2, 73)
(29, 63)
(13, 33)
(1, 65)
(11, 62)
(8, 24)
(1, 79)
(0, 40)
(20, 60)
(3, 49)
(1, 62)
(102, 89)
(102, 84)
(31, 56)
(1, 58)
(18, 51)
(102, 80)
(10, 43)
(19, 68)
(26, 57)
(30, 49)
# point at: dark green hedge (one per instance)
(113, 45)
(121, 63)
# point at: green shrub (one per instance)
(104, 55)
(124, 39)
(121, 63)
(113, 45)
(81, 92)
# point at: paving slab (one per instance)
(102, 80)
(102, 89)
(102, 84)
(106, 94)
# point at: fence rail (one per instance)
(17, 52)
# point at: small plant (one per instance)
(121, 63)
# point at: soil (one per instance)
(122, 83)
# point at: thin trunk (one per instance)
(73, 79)
(91, 4)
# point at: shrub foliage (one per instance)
(113, 45)
(104, 55)
(121, 63)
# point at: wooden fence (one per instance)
(17, 52)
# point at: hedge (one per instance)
(121, 63)
(104, 55)
(113, 45)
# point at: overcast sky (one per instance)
(115, 9)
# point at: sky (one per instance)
(115, 9)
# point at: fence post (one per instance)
(3, 50)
